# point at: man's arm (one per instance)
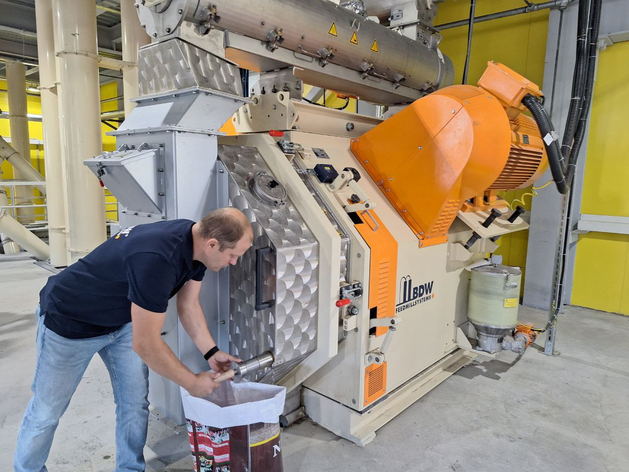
(148, 344)
(192, 317)
(193, 321)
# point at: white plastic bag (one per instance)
(236, 404)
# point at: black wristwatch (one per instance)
(211, 352)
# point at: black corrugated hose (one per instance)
(546, 128)
(589, 89)
(578, 81)
(562, 161)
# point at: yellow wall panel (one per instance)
(607, 168)
(601, 276)
(109, 142)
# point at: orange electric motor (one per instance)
(454, 150)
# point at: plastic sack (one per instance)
(236, 428)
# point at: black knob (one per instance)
(470, 242)
(490, 219)
(355, 173)
(516, 213)
(355, 198)
(495, 238)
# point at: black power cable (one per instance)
(563, 160)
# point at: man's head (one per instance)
(221, 237)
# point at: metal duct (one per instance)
(25, 169)
(18, 233)
(316, 28)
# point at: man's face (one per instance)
(217, 259)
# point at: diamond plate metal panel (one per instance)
(290, 274)
(176, 65)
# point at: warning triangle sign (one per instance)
(354, 39)
(374, 46)
(332, 30)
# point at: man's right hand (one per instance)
(204, 384)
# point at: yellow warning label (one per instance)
(332, 30)
(354, 39)
(511, 302)
(374, 46)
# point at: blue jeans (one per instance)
(61, 363)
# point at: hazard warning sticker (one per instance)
(354, 39)
(332, 30)
(510, 302)
(374, 46)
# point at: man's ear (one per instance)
(211, 243)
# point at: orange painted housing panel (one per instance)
(451, 146)
(382, 267)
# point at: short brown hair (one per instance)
(226, 225)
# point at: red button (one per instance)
(343, 302)
(276, 134)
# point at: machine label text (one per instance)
(411, 295)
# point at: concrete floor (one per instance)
(565, 413)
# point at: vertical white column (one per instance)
(52, 149)
(133, 37)
(74, 24)
(16, 89)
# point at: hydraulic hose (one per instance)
(589, 89)
(578, 82)
(563, 161)
(546, 129)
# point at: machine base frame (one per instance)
(360, 428)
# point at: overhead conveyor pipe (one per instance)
(19, 234)
(319, 29)
(26, 170)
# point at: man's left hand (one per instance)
(221, 361)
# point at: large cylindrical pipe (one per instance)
(79, 111)
(20, 164)
(8, 245)
(313, 27)
(18, 110)
(133, 37)
(21, 235)
(55, 202)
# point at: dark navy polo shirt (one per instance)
(146, 264)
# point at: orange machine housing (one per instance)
(454, 150)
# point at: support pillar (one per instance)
(20, 141)
(133, 37)
(74, 24)
(55, 175)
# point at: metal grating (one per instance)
(464, 92)
(375, 382)
(448, 214)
